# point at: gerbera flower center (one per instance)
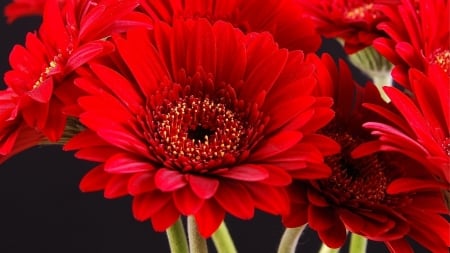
(442, 58)
(51, 69)
(362, 12)
(353, 180)
(198, 129)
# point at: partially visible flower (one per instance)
(375, 196)
(71, 35)
(284, 19)
(206, 121)
(354, 22)
(15, 136)
(418, 35)
(420, 127)
(23, 8)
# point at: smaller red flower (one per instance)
(384, 197)
(420, 126)
(23, 8)
(209, 124)
(71, 35)
(418, 35)
(353, 21)
(282, 18)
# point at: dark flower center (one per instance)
(354, 180)
(199, 134)
(201, 130)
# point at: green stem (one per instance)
(177, 238)
(326, 249)
(197, 244)
(223, 241)
(358, 244)
(289, 239)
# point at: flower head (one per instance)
(419, 127)
(282, 18)
(42, 71)
(416, 36)
(352, 21)
(375, 196)
(211, 123)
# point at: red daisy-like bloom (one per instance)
(15, 136)
(213, 122)
(283, 18)
(418, 35)
(420, 127)
(22, 8)
(70, 36)
(353, 21)
(369, 195)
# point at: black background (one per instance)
(43, 211)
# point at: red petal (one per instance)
(246, 172)
(186, 201)
(277, 176)
(146, 205)
(235, 199)
(404, 185)
(43, 92)
(276, 144)
(165, 217)
(273, 200)
(209, 218)
(117, 186)
(95, 180)
(321, 218)
(169, 180)
(141, 183)
(204, 187)
(335, 236)
(124, 163)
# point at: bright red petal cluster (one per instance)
(380, 196)
(352, 21)
(207, 124)
(419, 127)
(282, 18)
(71, 34)
(418, 35)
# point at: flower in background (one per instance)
(42, 70)
(207, 124)
(282, 18)
(354, 22)
(23, 8)
(367, 196)
(419, 127)
(418, 35)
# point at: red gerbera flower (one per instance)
(420, 128)
(353, 21)
(22, 8)
(283, 18)
(211, 123)
(419, 35)
(369, 195)
(69, 36)
(15, 136)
